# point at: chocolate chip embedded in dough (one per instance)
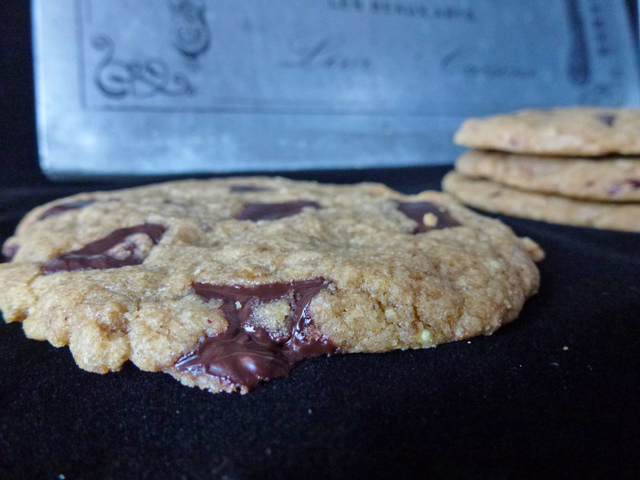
(65, 207)
(246, 354)
(616, 188)
(606, 118)
(417, 211)
(273, 211)
(248, 188)
(95, 255)
(9, 250)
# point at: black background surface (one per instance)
(517, 404)
(556, 394)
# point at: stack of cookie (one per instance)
(576, 166)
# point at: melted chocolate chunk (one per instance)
(417, 210)
(248, 188)
(246, 354)
(95, 256)
(65, 207)
(606, 118)
(273, 211)
(9, 250)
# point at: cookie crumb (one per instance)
(565, 348)
(426, 336)
(429, 220)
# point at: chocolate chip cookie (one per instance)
(226, 283)
(578, 131)
(497, 198)
(615, 179)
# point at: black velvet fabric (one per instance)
(556, 394)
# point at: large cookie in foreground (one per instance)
(578, 131)
(496, 198)
(616, 179)
(225, 283)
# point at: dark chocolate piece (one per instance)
(94, 255)
(273, 211)
(9, 250)
(247, 354)
(65, 207)
(617, 187)
(614, 189)
(417, 210)
(248, 188)
(606, 118)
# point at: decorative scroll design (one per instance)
(139, 79)
(190, 33)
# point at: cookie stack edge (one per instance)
(575, 166)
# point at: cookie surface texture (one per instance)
(496, 198)
(578, 131)
(226, 283)
(611, 180)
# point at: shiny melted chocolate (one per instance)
(246, 354)
(95, 256)
(417, 210)
(65, 207)
(273, 211)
